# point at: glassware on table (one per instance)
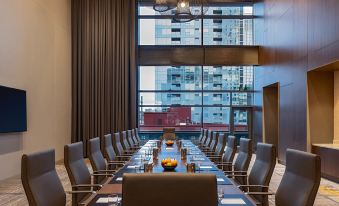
(220, 194)
(113, 200)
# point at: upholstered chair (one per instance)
(168, 189)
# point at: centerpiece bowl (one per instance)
(169, 143)
(169, 164)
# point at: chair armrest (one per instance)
(234, 171)
(87, 185)
(236, 175)
(225, 163)
(81, 192)
(260, 193)
(263, 186)
(115, 163)
(124, 156)
(102, 174)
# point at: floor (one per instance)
(12, 193)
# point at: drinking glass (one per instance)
(220, 194)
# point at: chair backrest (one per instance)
(221, 143)
(204, 137)
(130, 138)
(123, 140)
(40, 179)
(208, 138)
(201, 135)
(214, 141)
(137, 134)
(135, 139)
(180, 189)
(243, 159)
(95, 155)
(118, 149)
(108, 148)
(300, 182)
(76, 168)
(262, 170)
(231, 149)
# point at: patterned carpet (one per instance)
(12, 193)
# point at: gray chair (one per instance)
(216, 156)
(304, 170)
(109, 153)
(141, 142)
(133, 145)
(125, 144)
(168, 189)
(78, 172)
(41, 181)
(118, 149)
(135, 139)
(207, 141)
(98, 162)
(241, 164)
(261, 173)
(203, 139)
(228, 157)
(213, 144)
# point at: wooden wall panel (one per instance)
(295, 36)
(197, 55)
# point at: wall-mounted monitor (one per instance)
(13, 115)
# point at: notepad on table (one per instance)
(198, 158)
(119, 179)
(106, 199)
(220, 180)
(233, 201)
(206, 167)
(133, 166)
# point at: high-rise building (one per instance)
(216, 79)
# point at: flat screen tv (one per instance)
(13, 116)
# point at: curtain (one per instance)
(103, 67)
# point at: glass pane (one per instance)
(242, 99)
(222, 10)
(228, 32)
(148, 10)
(217, 118)
(217, 99)
(240, 121)
(170, 98)
(182, 118)
(168, 32)
(170, 78)
(228, 78)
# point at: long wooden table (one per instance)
(114, 185)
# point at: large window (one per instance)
(223, 25)
(191, 97)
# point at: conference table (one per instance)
(113, 185)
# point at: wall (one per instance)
(336, 107)
(320, 106)
(35, 55)
(271, 114)
(296, 36)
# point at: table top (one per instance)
(203, 165)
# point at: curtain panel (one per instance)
(103, 67)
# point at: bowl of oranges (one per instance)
(169, 164)
(169, 143)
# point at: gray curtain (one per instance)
(103, 70)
